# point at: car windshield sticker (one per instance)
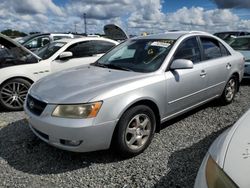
(59, 44)
(165, 43)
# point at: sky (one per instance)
(134, 16)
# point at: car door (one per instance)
(84, 53)
(185, 87)
(216, 60)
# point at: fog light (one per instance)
(71, 142)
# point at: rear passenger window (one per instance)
(224, 51)
(211, 48)
(189, 49)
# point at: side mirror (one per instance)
(65, 55)
(181, 64)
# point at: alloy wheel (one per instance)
(230, 89)
(138, 131)
(13, 94)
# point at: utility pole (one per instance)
(85, 23)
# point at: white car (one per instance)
(36, 41)
(19, 67)
(226, 165)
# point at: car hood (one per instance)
(115, 32)
(237, 158)
(80, 85)
(10, 42)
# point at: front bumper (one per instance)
(57, 131)
(247, 70)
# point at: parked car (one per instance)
(36, 41)
(125, 96)
(228, 36)
(242, 44)
(19, 67)
(226, 163)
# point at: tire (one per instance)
(230, 90)
(135, 131)
(13, 93)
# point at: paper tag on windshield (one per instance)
(59, 44)
(160, 44)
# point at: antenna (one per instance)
(85, 23)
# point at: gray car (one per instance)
(122, 99)
(242, 45)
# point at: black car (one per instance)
(229, 35)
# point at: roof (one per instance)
(172, 35)
(74, 40)
(244, 36)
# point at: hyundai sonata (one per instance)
(125, 96)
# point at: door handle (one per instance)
(203, 73)
(228, 66)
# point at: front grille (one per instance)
(35, 106)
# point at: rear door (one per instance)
(185, 87)
(216, 60)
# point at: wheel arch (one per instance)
(149, 103)
(18, 77)
(237, 75)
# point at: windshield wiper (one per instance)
(111, 66)
(99, 65)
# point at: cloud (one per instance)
(232, 3)
(31, 7)
(133, 16)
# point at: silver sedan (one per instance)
(122, 99)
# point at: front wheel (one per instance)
(230, 90)
(13, 93)
(135, 130)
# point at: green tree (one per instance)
(13, 33)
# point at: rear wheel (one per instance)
(230, 90)
(13, 93)
(135, 130)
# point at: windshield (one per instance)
(139, 55)
(241, 43)
(47, 51)
(24, 39)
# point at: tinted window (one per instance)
(241, 44)
(102, 47)
(49, 50)
(224, 51)
(189, 49)
(211, 48)
(83, 49)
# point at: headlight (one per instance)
(77, 111)
(216, 177)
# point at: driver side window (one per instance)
(189, 49)
(83, 49)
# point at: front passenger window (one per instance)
(189, 50)
(83, 49)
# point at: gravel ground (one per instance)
(172, 160)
